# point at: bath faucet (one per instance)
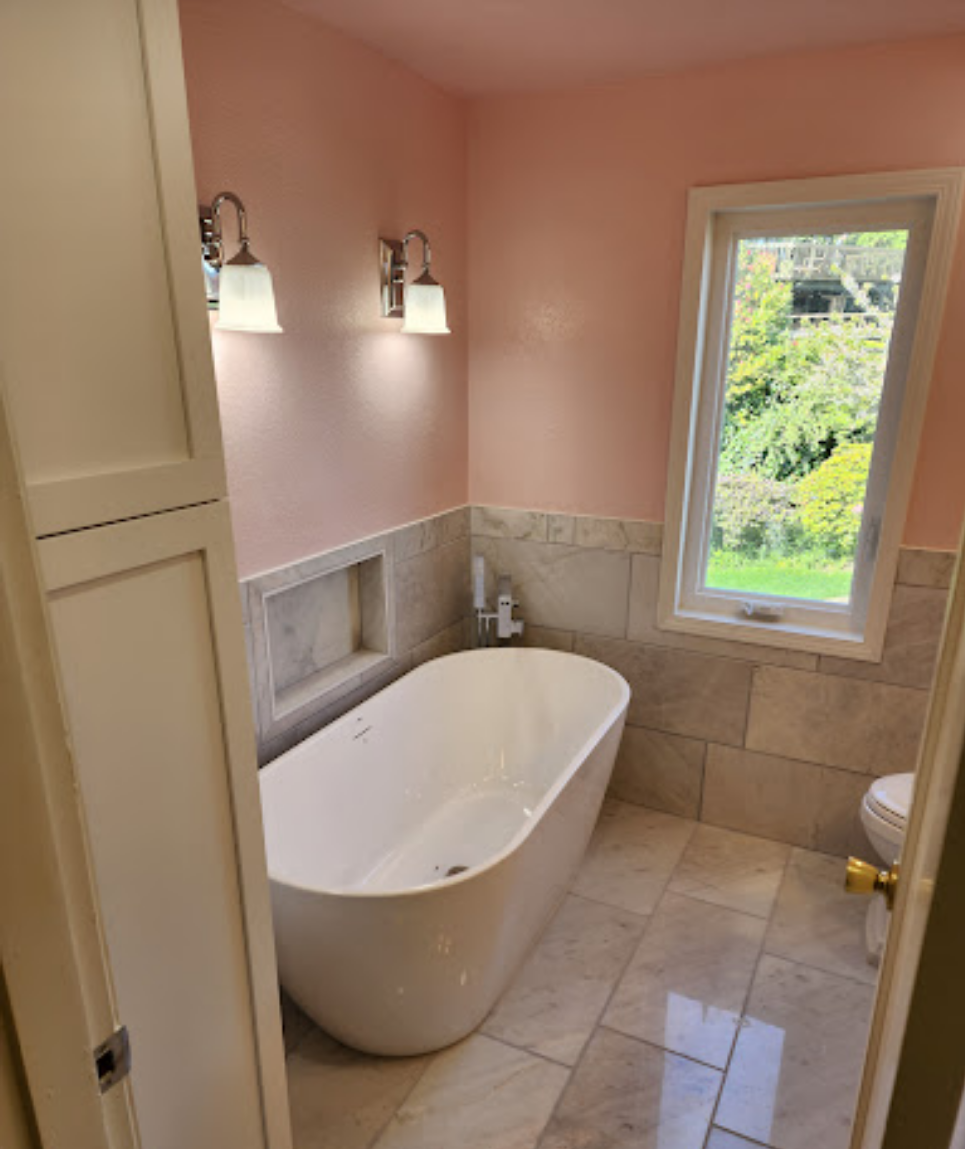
(507, 627)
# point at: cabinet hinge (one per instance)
(112, 1059)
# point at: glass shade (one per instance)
(247, 299)
(425, 308)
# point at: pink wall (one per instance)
(340, 427)
(577, 208)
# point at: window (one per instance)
(809, 319)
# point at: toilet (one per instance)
(884, 815)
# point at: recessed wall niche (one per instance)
(322, 628)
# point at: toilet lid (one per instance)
(892, 796)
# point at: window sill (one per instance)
(861, 648)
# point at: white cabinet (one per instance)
(105, 365)
(148, 636)
(104, 345)
(16, 1119)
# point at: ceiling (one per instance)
(481, 47)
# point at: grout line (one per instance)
(719, 906)
(747, 995)
(626, 624)
(480, 1031)
(377, 1136)
(740, 1137)
(663, 1049)
(598, 1025)
(617, 981)
(821, 969)
(703, 782)
(644, 917)
(750, 702)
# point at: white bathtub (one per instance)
(496, 760)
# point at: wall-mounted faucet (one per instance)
(507, 627)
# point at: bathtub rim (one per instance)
(613, 716)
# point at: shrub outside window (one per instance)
(809, 319)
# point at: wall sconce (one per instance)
(421, 303)
(239, 290)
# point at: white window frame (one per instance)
(928, 204)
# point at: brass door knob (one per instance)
(864, 878)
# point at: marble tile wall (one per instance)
(423, 615)
(765, 740)
(773, 742)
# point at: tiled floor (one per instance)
(699, 989)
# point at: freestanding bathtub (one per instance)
(418, 846)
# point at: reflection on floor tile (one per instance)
(816, 922)
(687, 984)
(341, 1099)
(721, 1139)
(793, 1079)
(479, 1094)
(631, 856)
(557, 997)
(627, 1095)
(730, 869)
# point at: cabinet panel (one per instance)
(16, 1119)
(103, 328)
(148, 640)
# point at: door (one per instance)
(135, 894)
(16, 1111)
(56, 998)
(149, 640)
(133, 885)
(912, 1088)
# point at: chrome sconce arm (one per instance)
(427, 308)
(211, 233)
(240, 287)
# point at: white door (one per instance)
(16, 1114)
(56, 999)
(153, 911)
(147, 629)
(911, 1094)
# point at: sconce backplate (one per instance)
(392, 262)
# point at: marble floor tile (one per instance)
(793, 1079)
(631, 856)
(627, 1095)
(295, 1025)
(687, 983)
(341, 1099)
(479, 1094)
(721, 1139)
(559, 994)
(733, 870)
(815, 922)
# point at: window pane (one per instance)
(809, 337)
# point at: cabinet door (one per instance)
(149, 641)
(104, 340)
(16, 1115)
